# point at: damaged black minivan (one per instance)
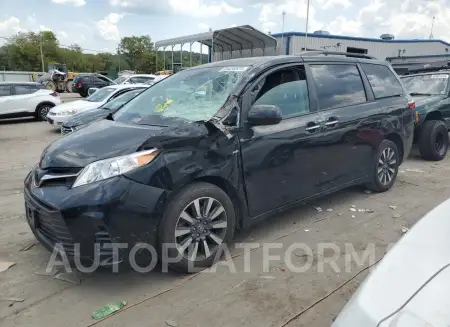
(219, 147)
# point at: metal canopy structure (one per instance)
(230, 40)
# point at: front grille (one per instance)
(66, 130)
(55, 176)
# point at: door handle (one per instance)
(312, 127)
(331, 122)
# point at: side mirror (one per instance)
(260, 115)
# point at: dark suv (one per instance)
(431, 91)
(218, 147)
(82, 83)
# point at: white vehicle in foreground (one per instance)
(22, 99)
(59, 114)
(410, 287)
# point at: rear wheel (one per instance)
(385, 167)
(42, 111)
(198, 220)
(433, 140)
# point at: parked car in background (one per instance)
(191, 158)
(431, 92)
(83, 82)
(410, 286)
(81, 119)
(157, 79)
(129, 79)
(59, 114)
(20, 99)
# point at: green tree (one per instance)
(136, 50)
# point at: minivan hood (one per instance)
(106, 139)
(87, 117)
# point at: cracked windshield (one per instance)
(190, 95)
(224, 163)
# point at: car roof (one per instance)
(255, 62)
(19, 83)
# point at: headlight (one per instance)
(66, 112)
(104, 169)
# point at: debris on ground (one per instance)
(393, 207)
(267, 277)
(361, 210)
(319, 209)
(108, 309)
(71, 277)
(11, 299)
(405, 230)
(306, 230)
(171, 323)
(368, 191)
(353, 206)
(330, 210)
(352, 209)
(26, 248)
(5, 265)
(415, 170)
(369, 210)
(353, 216)
(340, 214)
(397, 215)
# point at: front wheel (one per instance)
(42, 111)
(385, 167)
(198, 220)
(433, 140)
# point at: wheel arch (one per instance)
(434, 115)
(394, 137)
(40, 104)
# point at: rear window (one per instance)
(338, 85)
(26, 89)
(5, 90)
(429, 84)
(383, 81)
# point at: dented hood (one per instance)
(107, 139)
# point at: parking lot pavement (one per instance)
(253, 298)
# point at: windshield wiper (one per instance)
(417, 93)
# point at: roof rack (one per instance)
(336, 53)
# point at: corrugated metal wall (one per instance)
(380, 50)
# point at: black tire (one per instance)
(378, 178)
(172, 219)
(42, 111)
(433, 140)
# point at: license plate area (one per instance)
(32, 216)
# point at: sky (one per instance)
(98, 25)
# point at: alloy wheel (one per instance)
(439, 143)
(201, 229)
(386, 166)
(43, 112)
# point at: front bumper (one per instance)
(118, 210)
(57, 121)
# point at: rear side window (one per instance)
(25, 89)
(5, 90)
(338, 85)
(141, 79)
(383, 81)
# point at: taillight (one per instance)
(79, 84)
(412, 105)
(54, 94)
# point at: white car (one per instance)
(59, 114)
(26, 99)
(410, 286)
(128, 79)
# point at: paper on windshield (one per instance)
(233, 69)
(440, 76)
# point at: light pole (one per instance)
(307, 21)
(282, 31)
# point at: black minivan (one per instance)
(218, 147)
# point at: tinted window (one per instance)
(100, 95)
(383, 81)
(141, 79)
(338, 85)
(5, 90)
(25, 89)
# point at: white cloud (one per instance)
(62, 35)
(10, 26)
(43, 28)
(203, 26)
(107, 27)
(76, 3)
